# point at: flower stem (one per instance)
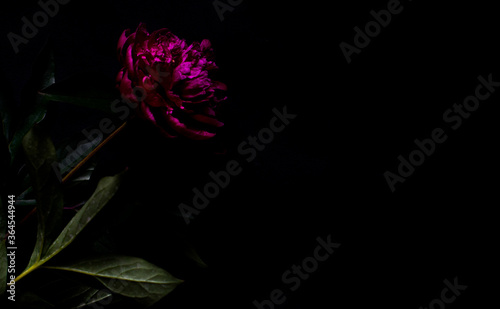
(93, 152)
(27, 271)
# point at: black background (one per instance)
(321, 176)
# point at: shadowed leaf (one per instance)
(35, 117)
(106, 189)
(72, 294)
(93, 296)
(128, 276)
(40, 155)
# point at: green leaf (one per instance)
(106, 189)
(40, 156)
(63, 293)
(67, 292)
(93, 296)
(35, 117)
(128, 276)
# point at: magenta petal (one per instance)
(129, 61)
(128, 42)
(123, 39)
(175, 99)
(145, 112)
(141, 33)
(126, 88)
(195, 87)
(162, 73)
(205, 45)
(155, 100)
(119, 77)
(209, 111)
(219, 86)
(184, 68)
(207, 120)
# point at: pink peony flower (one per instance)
(171, 82)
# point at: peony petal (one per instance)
(155, 100)
(119, 78)
(162, 73)
(129, 61)
(141, 33)
(209, 111)
(163, 32)
(145, 113)
(123, 38)
(184, 68)
(219, 86)
(149, 84)
(195, 88)
(207, 120)
(175, 99)
(126, 88)
(205, 45)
